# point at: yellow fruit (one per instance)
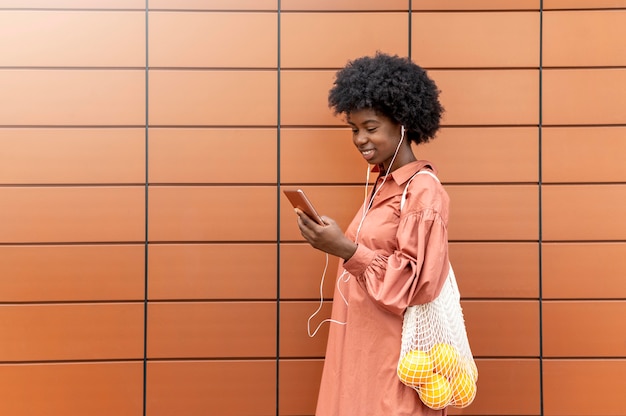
(415, 368)
(436, 393)
(463, 389)
(446, 359)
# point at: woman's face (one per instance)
(377, 137)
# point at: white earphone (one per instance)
(366, 207)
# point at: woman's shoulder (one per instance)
(422, 172)
(424, 190)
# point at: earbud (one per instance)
(402, 131)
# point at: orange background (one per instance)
(149, 264)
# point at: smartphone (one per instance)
(299, 200)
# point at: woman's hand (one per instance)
(328, 238)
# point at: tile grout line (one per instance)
(540, 202)
(146, 159)
(278, 189)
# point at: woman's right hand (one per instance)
(328, 238)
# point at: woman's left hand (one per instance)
(328, 238)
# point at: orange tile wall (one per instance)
(149, 264)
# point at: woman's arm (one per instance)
(415, 272)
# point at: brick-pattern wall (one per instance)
(149, 264)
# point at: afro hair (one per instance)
(392, 86)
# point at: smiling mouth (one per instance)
(367, 154)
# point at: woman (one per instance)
(392, 258)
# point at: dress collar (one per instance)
(404, 173)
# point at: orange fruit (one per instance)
(463, 389)
(415, 368)
(436, 393)
(446, 359)
(473, 370)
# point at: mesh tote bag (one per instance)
(435, 355)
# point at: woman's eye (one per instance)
(371, 130)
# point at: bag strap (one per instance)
(402, 201)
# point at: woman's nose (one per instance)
(360, 137)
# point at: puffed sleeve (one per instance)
(415, 272)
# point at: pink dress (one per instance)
(401, 260)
